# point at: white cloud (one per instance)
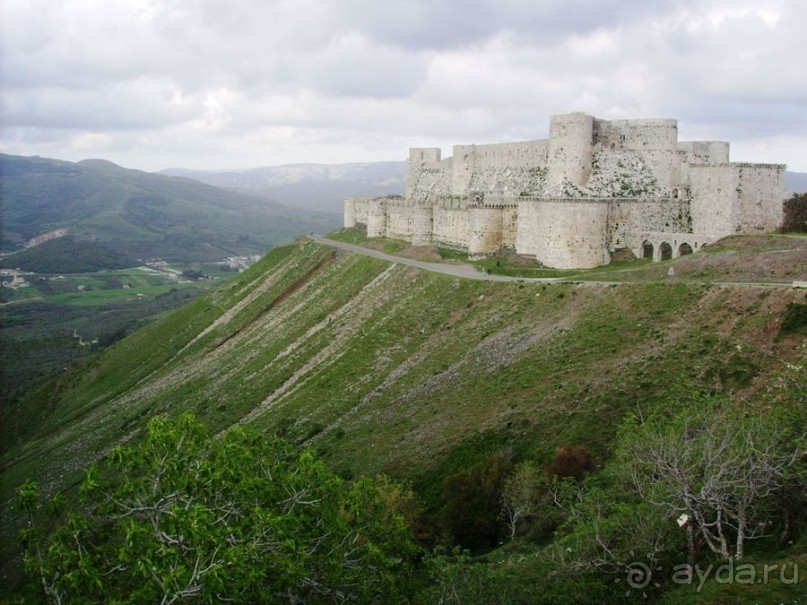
(207, 83)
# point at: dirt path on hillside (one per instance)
(471, 272)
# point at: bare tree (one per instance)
(519, 497)
(716, 470)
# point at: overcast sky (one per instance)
(210, 84)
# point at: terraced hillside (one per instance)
(382, 367)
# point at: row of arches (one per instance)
(665, 250)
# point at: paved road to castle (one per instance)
(471, 272)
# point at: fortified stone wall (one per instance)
(484, 230)
(630, 219)
(654, 143)
(564, 233)
(356, 211)
(427, 176)
(593, 187)
(620, 173)
(698, 152)
(736, 198)
(714, 199)
(758, 210)
(705, 152)
(505, 168)
(349, 215)
(509, 227)
(399, 220)
(451, 227)
(422, 225)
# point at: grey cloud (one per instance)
(142, 104)
(443, 24)
(284, 78)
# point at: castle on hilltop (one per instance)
(595, 187)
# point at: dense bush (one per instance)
(472, 511)
(570, 461)
(795, 214)
(795, 319)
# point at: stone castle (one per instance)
(594, 188)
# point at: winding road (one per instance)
(471, 272)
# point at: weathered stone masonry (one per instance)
(592, 188)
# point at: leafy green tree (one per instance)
(242, 518)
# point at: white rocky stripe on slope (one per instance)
(354, 313)
(229, 314)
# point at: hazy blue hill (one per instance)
(796, 181)
(319, 187)
(139, 214)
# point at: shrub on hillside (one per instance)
(795, 214)
(570, 461)
(472, 511)
(795, 319)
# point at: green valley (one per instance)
(73, 234)
(438, 380)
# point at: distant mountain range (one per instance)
(796, 182)
(320, 187)
(140, 214)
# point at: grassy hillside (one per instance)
(138, 214)
(66, 255)
(382, 367)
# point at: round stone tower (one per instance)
(570, 149)
(422, 225)
(377, 218)
(484, 230)
(350, 213)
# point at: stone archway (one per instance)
(684, 249)
(647, 249)
(665, 251)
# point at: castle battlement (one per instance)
(593, 187)
(741, 165)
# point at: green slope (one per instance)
(139, 214)
(383, 367)
(67, 255)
